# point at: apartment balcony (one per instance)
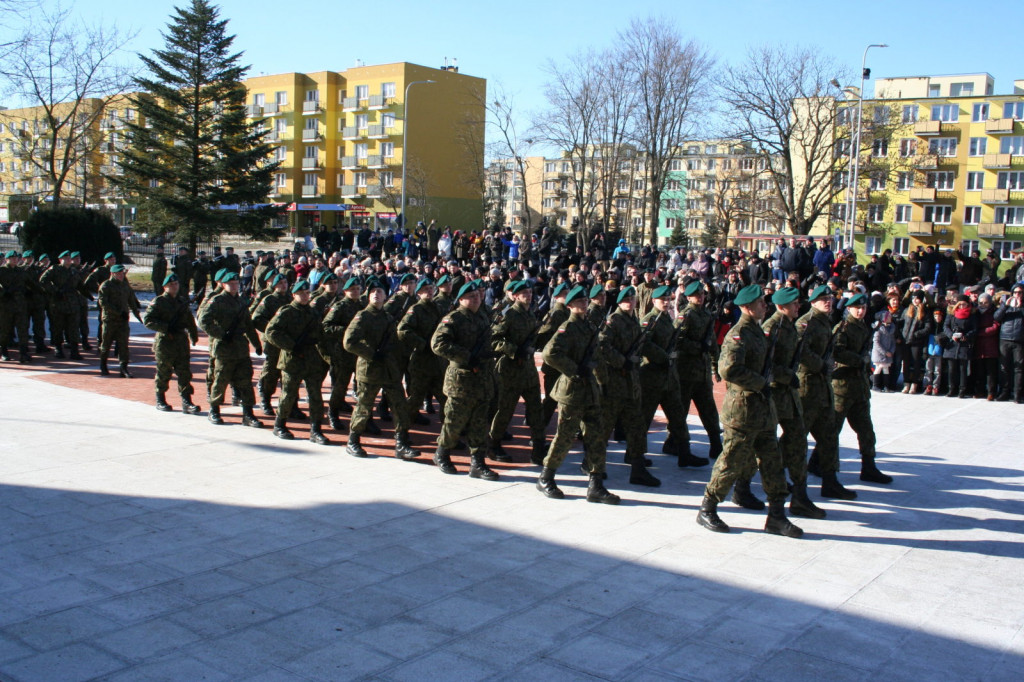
(311, 135)
(350, 104)
(999, 126)
(374, 191)
(378, 132)
(349, 162)
(311, 107)
(927, 128)
(254, 110)
(995, 196)
(375, 161)
(380, 101)
(350, 133)
(997, 161)
(919, 228)
(923, 195)
(278, 136)
(310, 191)
(991, 230)
(348, 191)
(272, 109)
(311, 164)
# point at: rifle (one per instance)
(768, 370)
(634, 348)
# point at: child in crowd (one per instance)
(883, 348)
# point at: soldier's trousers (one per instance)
(820, 420)
(424, 382)
(115, 330)
(741, 449)
(620, 407)
(343, 366)
(269, 373)
(172, 358)
(595, 444)
(37, 316)
(793, 447)
(701, 393)
(64, 323)
(13, 317)
(857, 411)
(469, 415)
(236, 372)
(520, 383)
(549, 404)
(366, 393)
(83, 318)
(666, 395)
(290, 384)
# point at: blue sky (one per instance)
(509, 43)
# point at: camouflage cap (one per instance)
(748, 295)
(785, 295)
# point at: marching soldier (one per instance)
(572, 353)
(555, 318)
(171, 318)
(750, 420)
(426, 370)
(117, 302)
(443, 297)
(159, 271)
(695, 347)
(35, 299)
(61, 284)
(325, 296)
(90, 288)
(342, 363)
(15, 285)
(82, 298)
(270, 373)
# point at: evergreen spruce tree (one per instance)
(192, 148)
(678, 236)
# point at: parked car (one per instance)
(5, 227)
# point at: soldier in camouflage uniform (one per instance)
(463, 339)
(61, 284)
(226, 321)
(396, 306)
(35, 300)
(572, 352)
(325, 296)
(816, 398)
(82, 300)
(15, 284)
(270, 373)
(342, 363)
(695, 348)
(117, 302)
(852, 386)
(556, 316)
(90, 288)
(750, 420)
(443, 298)
(619, 377)
(426, 370)
(295, 330)
(170, 316)
(372, 337)
(513, 339)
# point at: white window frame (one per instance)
(909, 113)
(1005, 248)
(1014, 110)
(947, 113)
(1010, 215)
(942, 146)
(979, 113)
(388, 89)
(977, 146)
(904, 180)
(1012, 144)
(944, 181)
(969, 246)
(387, 150)
(1012, 180)
(359, 178)
(387, 178)
(901, 245)
(872, 245)
(940, 214)
(972, 215)
(975, 181)
(280, 180)
(908, 147)
(880, 147)
(362, 92)
(876, 213)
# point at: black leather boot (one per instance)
(539, 450)
(214, 415)
(403, 450)
(249, 419)
(546, 484)
(125, 374)
(104, 370)
(708, 516)
(188, 407)
(870, 473)
(334, 420)
(498, 453)
(687, 459)
(58, 351)
(478, 469)
(443, 460)
(266, 406)
(354, 447)
(24, 357)
(742, 496)
(74, 354)
(639, 475)
(801, 505)
(428, 406)
(832, 488)
(777, 523)
(628, 459)
(596, 492)
(281, 429)
(161, 402)
(670, 447)
(86, 346)
(316, 435)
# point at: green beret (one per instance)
(628, 292)
(268, 274)
(425, 282)
(518, 285)
(28, 254)
(219, 277)
(278, 278)
(443, 279)
(785, 295)
(117, 268)
(301, 285)
(372, 283)
(329, 277)
(857, 301)
(748, 295)
(693, 288)
(577, 292)
(596, 290)
(11, 254)
(170, 278)
(110, 254)
(663, 291)
(45, 256)
(350, 282)
(228, 276)
(76, 254)
(819, 292)
(560, 290)
(467, 288)
(409, 277)
(64, 254)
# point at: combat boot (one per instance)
(627, 458)
(334, 421)
(235, 400)
(74, 354)
(161, 402)
(316, 435)
(478, 469)
(708, 515)
(419, 419)
(743, 497)
(777, 523)
(669, 447)
(546, 484)
(214, 416)
(832, 488)
(443, 460)
(403, 450)
(596, 492)
(687, 459)
(639, 475)
(104, 370)
(498, 453)
(4, 355)
(354, 447)
(188, 407)
(265, 405)
(538, 452)
(86, 346)
(24, 357)
(58, 351)
(801, 505)
(814, 464)
(428, 406)
(372, 428)
(249, 419)
(125, 374)
(870, 473)
(42, 348)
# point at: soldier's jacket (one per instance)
(372, 336)
(217, 291)
(656, 368)
(444, 303)
(335, 322)
(555, 318)
(183, 269)
(596, 315)
(295, 329)
(644, 292)
(268, 307)
(784, 395)
(259, 281)
(17, 285)
(227, 322)
(117, 300)
(288, 272)
(618, 375)
(415, 329)
(815, 329)
(512, 332)
(463, 338)
(745, 407)
(171, 318)
(35, 295)
(567, 351)
(322, 301)
(257, 300)
(398, 304)
(61, 284)
(693, 351)
(853, 358)
(159, 270)
(95, 280)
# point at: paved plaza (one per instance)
(136, 545)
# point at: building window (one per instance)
(969, 246)
(908, 147)
(904, 213)
(310, 179)
(362, 92)
(638, 221)
(933, 90)
(280, 126)
(281, 179)
(1013, 180)
(360, 179)
(941, 180)
(748, 164)
(1005, 249)
(362, 121)
(362, 150)
(947, 113)
(1011, 145)
(387, 120)
(675, 165)
(549, 202)
(622, 204)
(961, 89)
(904, 180)
(976, 180)
(1010, 215)
(387, 149)
(939, 214)
(880, 147)
(972, 215)
(387, 89)
(839, 213)
(280, 154)
(1014, 110)
(980, 112)
(711, 164)
(843, 116)
(550, 168)
(901, 245)
(909, 113)
(942, 146)
(876, 212)
(977, 147)
(281, 98)
(710, 149)
(842, 147)
(387, 179)
(877, 180)
(872, 245)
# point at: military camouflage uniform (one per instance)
(552, 322)
(513, 339)
(659, 382)
(117, 303)
(694, 347)
(463, 339)
(295, 330)
(371, 336)
(793, 444)
(226, 320)
(15, 283)
(35, 300)
(171, 318)
(851, 383)
(270, 373)
(816, 398)
(426, 370)
(619, 377)
(332, 348)
(61, 283)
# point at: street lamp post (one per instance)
(405, 137)
(855, 145)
